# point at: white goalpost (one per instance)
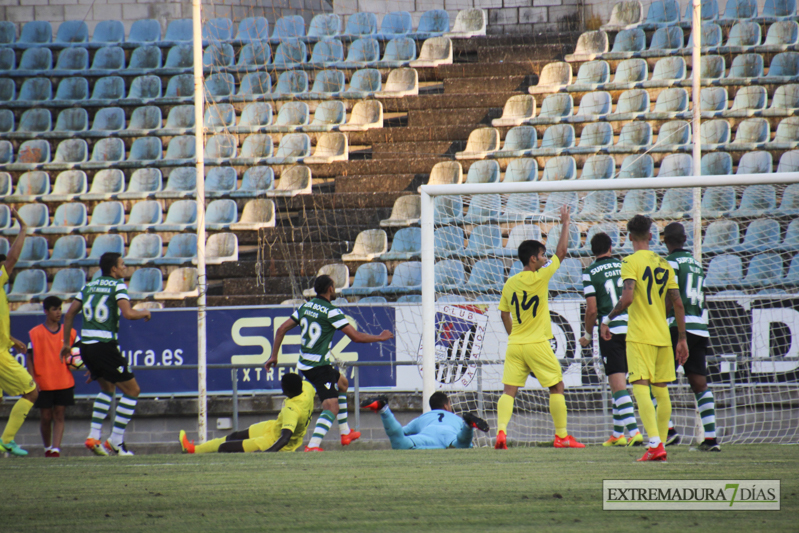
(470, 233)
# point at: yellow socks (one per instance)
(661, 394)
(647, 411)
(557, 408)
(212, 446)
(504, 412)
(18, 415)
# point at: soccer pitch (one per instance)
(521, 489)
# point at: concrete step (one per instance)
(445, 117)
(426, 148)
(387, 183)
(515, 84)
(425, 133)
(361, 199)
(530, 51)
(416, 165)
(238, 300)
(547, 46)
(271, 286)
(448, 101)
(485, 70)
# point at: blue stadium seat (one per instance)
(253, 117)
(180, 57)
(631, 104)
(714, 101)
(449, 275)
(598, 167)
(106, 216)
(256, 146)
(145, 283)
(483, 240)
(324, 26)
(569, 277)
(595, 137)
(327, 53)
(740, 9)
(179, 30)
(33, 90)
(522, 169)
(144, 59)
(290, 54)
(792, 276)
(34, 60)
(143, 215)
(782, 35)
(220, 147)
(637, 166)
(252, 29)
(181, 183)
(217, 29)
(399, 52)
(672, 135)
(219, 85)
(290, 84)
(724, 271)
(369, 278)
(103, 244)
(671, 103)
(716, 164)
(677, 203)
(761, 235)
(518, 234)
(31, 154)
(107, 88)
(407, 277)
(288, 27)
(107, 151)
(256, 181)
(662, 13)
(743, 37)
(72, 31)
(145, 88)
(181, 250)
(715, 133)
(107, 184)
(371, 300)
(6, 187)
(220, 181)
(75, 119)
(218, 56)
(554, 235)
(520, 207)
(559, 169)
(182, 216)
(27, 284)
(556, 139)
(252, 56)
(145, 31)
(6, 152)
(108, 119)
(362, 53)
(34, 251)
(31, 186)
(181, 149)
(144, 183)
(6, 121)
(73, 59)
(144, 249)
(447, 209)
(634, 135)
(293, 148)
(718, 202)
(180, 87)
(746, 66)
(665, 39)
(448, 241)
(610, 228)
(555, 107)
(675, 165)
(361, 25)
(406, 244)
(328, 116)
(764, 270)
(487, 275)
(598, 205)
(755, 163)
(643, 201)
(757, 200)
(72, 89)
(5, 217)
(721, 236)
(69, 185)
(67, 251)
(627, 43)
(667, 71)
(434, 22)
(108, 31)
(68, 218)
(364, 83)
(8, 32)
(35, 120)
(753, 133)
(36, 32)
(709, 11)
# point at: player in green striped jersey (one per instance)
(102, 301)
(320, 320)
(602, 288)
(690, 277)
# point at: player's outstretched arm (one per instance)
(132, 314)
(69, 320)
(16, 248)
(357, 336)
(285, 435)
(590, 321)
(563, 242)
(673, 295)
(284, 328)
(624, 302)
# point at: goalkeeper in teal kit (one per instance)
(437, 429)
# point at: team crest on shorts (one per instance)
(460, 331)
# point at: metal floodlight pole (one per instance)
(202, 392)
(696, 96)
(428, 303)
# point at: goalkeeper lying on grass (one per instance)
(436, 429)
(284, 434)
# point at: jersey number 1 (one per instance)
(661, 277)
(525, 305)
(97, 312)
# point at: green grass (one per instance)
(452, 490)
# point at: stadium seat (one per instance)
(32, 90)
(145, 88)
(518, 234)
(143, 249)
(487, 275)
(256, 181)
(519, 140)
(256, 214)
(792, 276)
(672, 135)
(107, 184)
(610, 228)
(27, 284)
(328, 116)
(400, 82)
(368, 245)
(75, 119)
(598, 167)
(590, 45)
(407, 277)
(449, 275)
(252, 29)
(5, 219)
(221, 214)
(36, 216)
(369, 278)
(756, 201)
(179, 30)
(144, 59)
(405, 212)
(180, 119)
(676, 165)
(554, 235)
(627, 43)
(220, 181)
(517, 110)
(520, 170)
(68, 186)
(671, 103)
(483, 239)
(145, 283)
(667, 72)
(556, 139)
(740, 9)
(597, 205)
(330, 147)
(559, 168)
(665, 39)
(217, 29)
(73, 59)
(637, 166)
(482, 172)
(469, 23)
(292, 149)
(714, 101)
(746, 66)
(448, 241)
(625, 14)
(289, 27)
(399, 52)
(182, 216)
(180, 87)
(721, 236)
(103, 244)
(290, 54)
(433, 23)
(72, 32)
(108, 119)
(294, 181)
(761, 235)
(755, 163)
(6, 187)
(35, 120)
(595, 137)
(555, 108)
(789, 206)
(68, 218)
(107, 88)
(67, 251)
(557, 199)
(714, 134)
(643, 201)
(146, 149)
(34, 251)
(364, 83)
(395, 24)
(520, 208)
(569, 277)
(219, 116)
(74, 89)
(631, 104)
(181, 250)
(144, 183)
(554, 77)
(662, 13)
(371, 300)
(743, 36)
(435, 51)
(180, 57)
(724, 271)
(106, 216)
(6, 152)
(145, 31)
(718, 201)
(324, 26)
(220, 147)
(291, 117)
(8, 32)
(633, 136)
(327, 53)
(34, 61)
(31, 154)
(290, 84)
(221, 248)
(143, 215)
(108, 31)
(107, 151)
(787, 135)
(764, 270)
(31, 186)
(340, 274)
(365, 115)
(252, 56)
(591, 75)
(716, 164)
(181, 148)
(753, 133)
(406, 244)
(254, 116)
(253, 85)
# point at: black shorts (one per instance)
(614, 354)
(49, 398)
(697, 350)
(104, 361)
(324, 379)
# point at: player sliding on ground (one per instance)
(648, 281)
(525, 314)
(320, 320)
(601, 286)
(690, 277)
(437, 429)
(282, 435)
(102, 301)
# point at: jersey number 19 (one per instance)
(661, 277)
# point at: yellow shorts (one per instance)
(14, 379)
(654, 363)
(538, 358)
(264, 434)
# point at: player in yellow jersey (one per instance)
(648, 282)
(524, 307)
(14, 379)
(284, 434)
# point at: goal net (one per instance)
(749, 246)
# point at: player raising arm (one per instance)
(102, 302)
(320, 320)
(14, 379)
(282, 435)
(524, 308)
(648, 281)
(437, 429)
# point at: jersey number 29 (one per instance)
(99, 312)
(314, 331)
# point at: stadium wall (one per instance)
(129, 11)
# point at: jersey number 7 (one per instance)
(525, 305)
(661, 277)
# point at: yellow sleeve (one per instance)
(3, 276)
(628, 269)
(290, 418)
(548, 270)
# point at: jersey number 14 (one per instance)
(525, 305)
